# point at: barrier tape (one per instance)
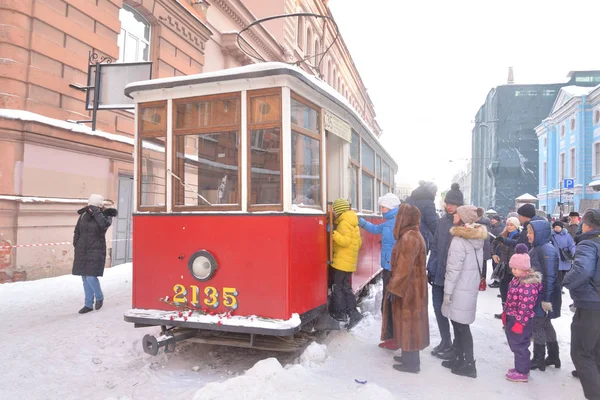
(16, 246)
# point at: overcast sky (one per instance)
(428, 65)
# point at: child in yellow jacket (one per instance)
(346, 244)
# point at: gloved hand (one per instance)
(391, 296)
(499, 239)
(503, 318)
(517, 328)
(430, 278)
(361, 222)
(547, 306)
(573, 308)
(93, 209)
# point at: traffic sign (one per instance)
(568, 183)
(568, 197)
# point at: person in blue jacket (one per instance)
(561, 239)
(388, 205)
(544, 259)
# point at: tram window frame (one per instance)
(387, 183)
(316, 136)
(198, 131)
(264, 125)
(366, 170)
(355, 169)
(151, 134)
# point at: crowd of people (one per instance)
(532, 261)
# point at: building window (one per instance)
(596, 117)
(597, 159)
(264, 124)
(562, 166)
(308, 42)
(306, 153)
(317, 52)
(134, 39)
(544, 176)
(300, 33)
(545, 142)
(572, 164)
(572, 124)
(152, 128)
(562, 131)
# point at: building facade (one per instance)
(463, 178)
(569, 143)
(50, 166)
(504, 142)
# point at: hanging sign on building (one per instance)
(337, 126)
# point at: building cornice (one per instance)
(184, 23)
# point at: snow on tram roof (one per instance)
(254, 71)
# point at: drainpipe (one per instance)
(581, 145)
(547, 144)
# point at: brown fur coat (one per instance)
(408, 283)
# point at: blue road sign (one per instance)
(568, 183)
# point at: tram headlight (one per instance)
(202, 265)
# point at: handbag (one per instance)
(565, 254)
(482, 284)
(499, 272)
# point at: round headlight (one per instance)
(202, 265)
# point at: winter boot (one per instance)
(413, 369)
(399, 359)
(389, 344)
(553, 358)
(445, 345)
(448, 354)
(494, 285)
(99, 304)
(515, 376)
(466, 369)
(409, 362)
(85, 310)
(455, 361)
(538, 362)
(355, 318)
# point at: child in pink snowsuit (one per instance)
(518, 314)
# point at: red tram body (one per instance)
(205, 272)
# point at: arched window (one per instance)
(329, 72)
(317, 52)
(308, 42)
(339, 84)
(134, 39)
(300, 33)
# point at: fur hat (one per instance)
(469, 214)
(515, 221)
(574, 214)
(591, 217)
(454, 196)
(389, 200)
(520, 260)
(96, 200)
(558, 223)
(527, 210)
(340, 206)
(512, 214)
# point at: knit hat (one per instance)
(454, 196)
(469, 214)
(389, 200)
(512, 215)
(573, 214)
(558, 223)
(527, 210)
(515, 221)
(96, 200)
(340, 206)
(520, 260)
(496, 218)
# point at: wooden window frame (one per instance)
(367, 170)
(205, 131)
(264, 125)
(145, 135)
(372, 190)
(311, 134)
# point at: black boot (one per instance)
(466, 369)
(448, 354)
(575, 374)
(538, 362)
(355, 318)
(456, 361)
(444, 346)
(85, 310)
(99, 304)
(494, 285)
(553, 358)
(410, 362)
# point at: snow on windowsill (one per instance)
(31, 199)
(245, 321)
(70, 126)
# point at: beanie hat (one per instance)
(527, 210)
(389, 200)
(340, 206)
(96, 200)
(496, 217)
(573, 214)
(430, 187)
(520, 260)
(511, 215)
(454, 196)
(558, 223)
(469, 214)
(591, 217)
(515, 221)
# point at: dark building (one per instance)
(504, 142)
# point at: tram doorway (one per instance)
(338, 151)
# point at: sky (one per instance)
(428, 66)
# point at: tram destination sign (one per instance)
(337, 126)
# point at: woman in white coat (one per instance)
(461, 286)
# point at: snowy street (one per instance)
(51, 352)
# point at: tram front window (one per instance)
(152, 126)
(306, 170)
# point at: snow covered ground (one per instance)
(51, 352)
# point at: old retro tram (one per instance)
(234, 173)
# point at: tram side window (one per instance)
(152, 131)
(368, 177)
(354, 169)
(206, 157)
(264, 122)
(306, 154)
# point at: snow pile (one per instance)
(269, 380)
(314, 355)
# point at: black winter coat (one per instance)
(487, 244)
(423, 198)
(544, 259)
(90, 242)
(583, 280)
(436, 265)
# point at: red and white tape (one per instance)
(34, 245)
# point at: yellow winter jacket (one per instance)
(346, 242)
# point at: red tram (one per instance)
(234, 171)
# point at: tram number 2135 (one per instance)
(212, 296)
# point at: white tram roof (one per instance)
(262, 70)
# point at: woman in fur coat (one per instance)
(408, 290)
(461, 286)
(89, 241)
